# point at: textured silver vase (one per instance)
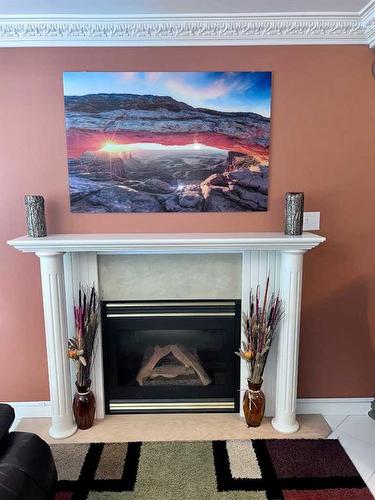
(294, 213)
(35, 216)
(371, 413)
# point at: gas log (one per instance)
(187, 364)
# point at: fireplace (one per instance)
(171, 356)
(66, 260)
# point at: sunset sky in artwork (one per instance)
(230, 91)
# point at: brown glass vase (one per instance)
(253, 404)
(84, 407)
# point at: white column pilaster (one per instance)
(287, 359)
(246, 287)
(52, 274)
(82, 268)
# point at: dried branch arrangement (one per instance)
(259, 327)
(81, 348)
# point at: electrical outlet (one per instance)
(311, 221)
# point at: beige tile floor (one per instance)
(177, 427)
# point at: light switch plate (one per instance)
(311, 221)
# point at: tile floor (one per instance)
(356, 433)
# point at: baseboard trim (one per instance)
(31, 409)
(305, 406)
(334, 406)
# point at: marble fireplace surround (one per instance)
(69, 259)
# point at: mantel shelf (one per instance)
(154, 243)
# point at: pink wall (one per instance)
(322, 143)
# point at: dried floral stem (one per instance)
(259, 326)
(81, 348)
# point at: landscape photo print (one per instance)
(168, 142)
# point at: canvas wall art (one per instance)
(168, 142)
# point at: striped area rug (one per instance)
(290, 469)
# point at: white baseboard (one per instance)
(334, 406)
(31, 409)
(305, 406)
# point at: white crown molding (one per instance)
(184, 30)
(368, 22)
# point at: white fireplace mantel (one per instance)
(68, 259)
(154, 243)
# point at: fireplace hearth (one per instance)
(171, 356)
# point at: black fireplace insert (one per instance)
(171, 356)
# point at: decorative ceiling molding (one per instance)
(183, 30)
(368, 23)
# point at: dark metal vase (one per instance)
(254, 404)
(294, 213)
(35, 216)
(84, 407)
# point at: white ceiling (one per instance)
(170, 7)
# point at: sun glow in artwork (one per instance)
(113, 148)
(168, 142)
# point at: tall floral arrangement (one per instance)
(259, 326)
(81, 348)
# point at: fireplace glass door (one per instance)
(169, 356)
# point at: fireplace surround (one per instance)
(67, 260)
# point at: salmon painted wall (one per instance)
(322, 143)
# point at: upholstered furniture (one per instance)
(27, 468)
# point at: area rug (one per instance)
(290, 469)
